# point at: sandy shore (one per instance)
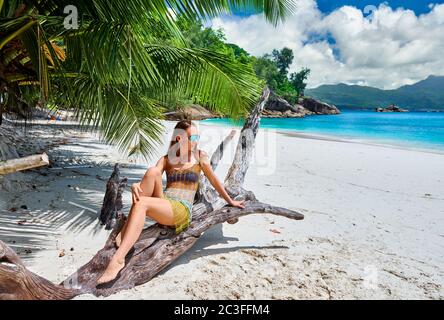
(373, 227)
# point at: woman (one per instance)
(172, 206)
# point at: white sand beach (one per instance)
(373, 227)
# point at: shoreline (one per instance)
(368, 142)
(343, 139)
(286, 132)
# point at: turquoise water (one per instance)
(417, 129)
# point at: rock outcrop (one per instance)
(318, 107)
(391, 108)
(276, 103)
(276, 107)
(280, 108)
(191, 112)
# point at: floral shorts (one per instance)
(182, 211)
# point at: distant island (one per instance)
(391, 108)
(425, 95)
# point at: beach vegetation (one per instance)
(119, 64)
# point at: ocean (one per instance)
(422, 130)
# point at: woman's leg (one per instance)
(156, 208)
(151, 183)
(151, 186)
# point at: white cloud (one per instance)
(390, 48)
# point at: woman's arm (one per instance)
(209, 173)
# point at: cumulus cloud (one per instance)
(386, 49)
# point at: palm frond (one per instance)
(124, 62)
(274, 11)
(133, 124)
(207, 77)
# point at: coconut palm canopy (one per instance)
(123, 64)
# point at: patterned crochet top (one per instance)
(182, 184)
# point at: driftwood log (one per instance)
(158, 245)
(24, 163)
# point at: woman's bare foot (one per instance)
(111, 271)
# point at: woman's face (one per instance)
(184, 138)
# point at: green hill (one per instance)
(425, 95)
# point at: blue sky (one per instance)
(400, 43)
(419, 6)
(327, 6)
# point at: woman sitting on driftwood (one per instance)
(172, 206)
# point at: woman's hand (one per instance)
(136, 190)
(239, 204)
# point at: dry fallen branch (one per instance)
(24, 163)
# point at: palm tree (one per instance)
(124, 63)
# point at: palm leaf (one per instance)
(118, 72)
